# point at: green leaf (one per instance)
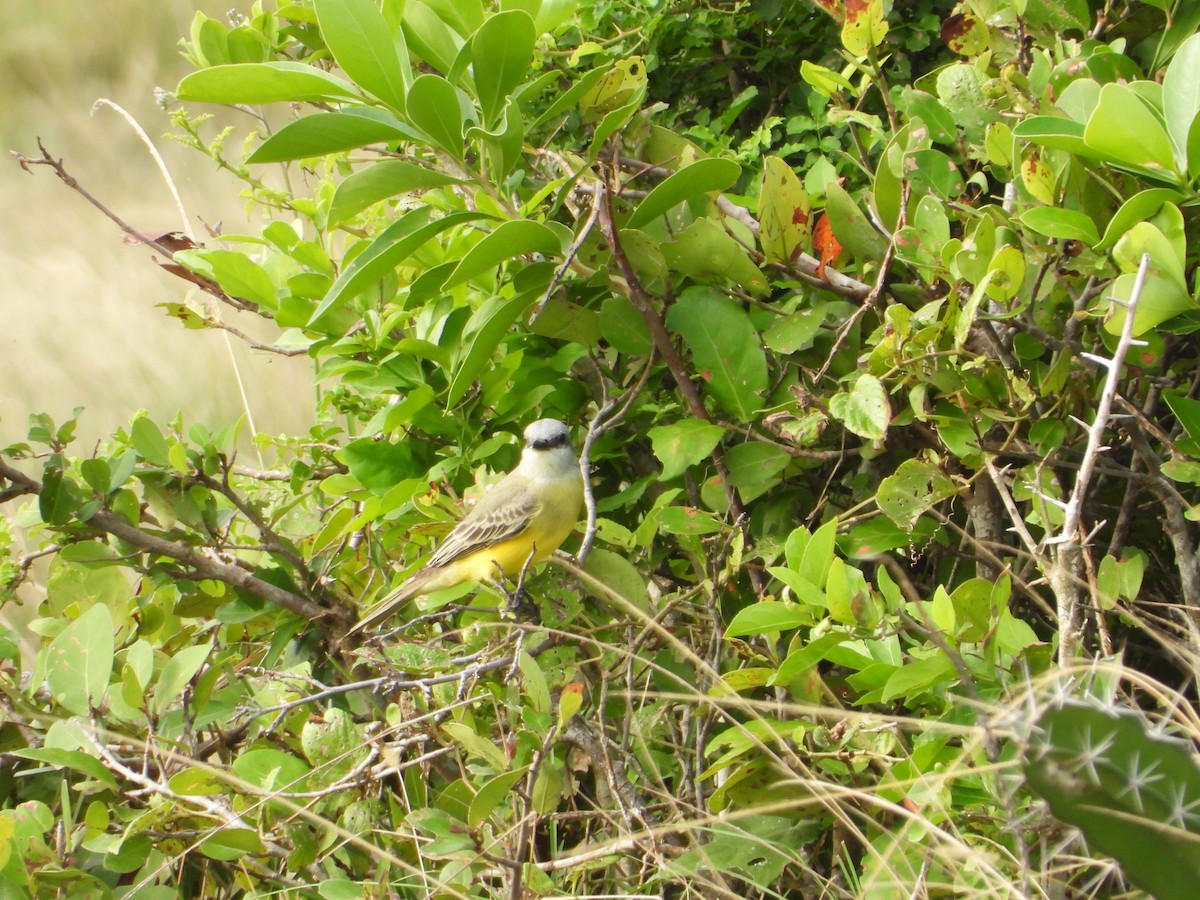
(701, 177)
(501, 51)
(918, 677)
(623, 326)
(505, 143)
(936, 118)
(683, 444)
(767, 617)
(687, 520)
(485, 330)
(1187, 411)
(229, 844)
(1079, 100)
(1065, 224)
(1056, 133)
(362, 44)
(69, 759)
(824, 81)
(379, 181)
(330, 132)
(393, 245)
(724, 347)
(378, 465)
(936, 172)
(784, 212)
(434, 107)
(552, 13)
(465, 16)
(1006, 273)
(1167, 256)
(795, 331)
(508, 240)
(273, 82)
(618, 573)
(237, 274)
(488, 798)
(818, 553)
(475, 744)
(570, 98)
(865, 410)
(148, 441)
(912, 490)
(96, 474)
(1124, 129)
(754, 467)
(1160, 300)
(1181, 100)
(428, 36)
(271, 769)
(79, 661)
(705, 250)
(807, 656)
(1164, 294)
(60, 497)
(852, 228)
(1138, 208)
(179, 670)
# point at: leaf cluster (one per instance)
(877, 327)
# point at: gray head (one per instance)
(548, 451)
(547, 434)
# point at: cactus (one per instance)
(1135, 796)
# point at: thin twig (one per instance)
(588, 224)
(611, 413)
(56, 165)
(868, 304)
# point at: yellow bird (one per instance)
(526, 516)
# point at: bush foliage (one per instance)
(876, 328)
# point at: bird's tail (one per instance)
(393, 601)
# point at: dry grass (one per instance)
(79, 324)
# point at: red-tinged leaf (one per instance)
(784, 212)
(965, 34)
(833, 7)
(825, 244)
(168, 240)
(865, 26)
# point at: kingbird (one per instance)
(523, 519)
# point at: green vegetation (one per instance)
(877, 330)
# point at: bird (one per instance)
(522, 520)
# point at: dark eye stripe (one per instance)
(559, 440)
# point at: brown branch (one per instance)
(56, 165)
(661, 339)
(249, 341)
(273, 542)
(205, 565)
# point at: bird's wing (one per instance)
(496, 519)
